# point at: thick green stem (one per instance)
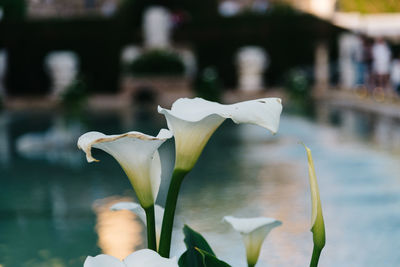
(251, 265)
(169, 213)
(151, 228)
(315, 256)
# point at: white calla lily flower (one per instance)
(193, 121)
(140, 212)
(254, 231)
(138, 156)
(140, 258)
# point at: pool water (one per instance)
(54, 205)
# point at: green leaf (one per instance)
(317, 220)
(194, 239)
(199, 252)
(210, 260)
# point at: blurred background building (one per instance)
(63, 8)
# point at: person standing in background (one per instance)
(381, 57)
(360, 62)
(395, 74)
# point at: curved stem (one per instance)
(169, 213)
(315, 256)
(151, 228)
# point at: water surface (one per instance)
(54, 205)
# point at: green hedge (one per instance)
(157, 62)
(13, 9)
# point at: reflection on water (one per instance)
(4, 141)
(378, 128)
(47, 216)
(56, 144)
(119, 233)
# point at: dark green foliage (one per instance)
(13, 9)
(283, 9)
(199, 252)
(298, 86)
(190, 258)
(75, 96)
(210, 260)
(297, 83)
(208, 85)
(194, 239)
(130, 13)
(157, 62)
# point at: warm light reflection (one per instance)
(120, 232)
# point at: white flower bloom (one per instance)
(138, 156)
(193, 121)
(140, 258)
(139, 211)
(253, 231)
(103, 261)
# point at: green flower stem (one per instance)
(169, 213)
(251, 265)
(315, 256)
(151, 228)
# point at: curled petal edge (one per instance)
(89, 139)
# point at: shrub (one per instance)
(157, 62)
(209, 86)
(75, 96)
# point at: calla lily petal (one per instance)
(131, 206)
(253, 231)
(139, 211)
(193, 121)
(317, 219)
(140, 258)
(138, 156)
(103, 261)
(149, 258)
